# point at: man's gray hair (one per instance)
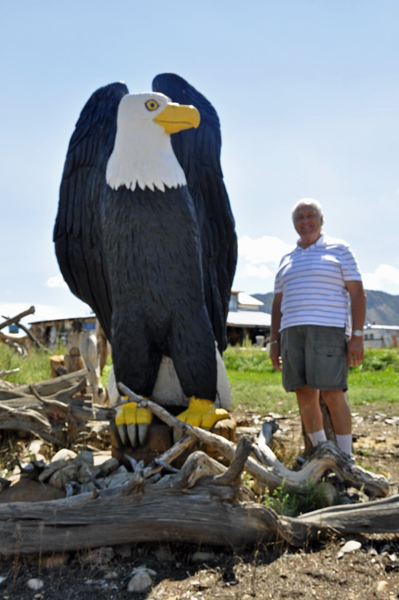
(308, 202)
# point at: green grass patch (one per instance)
(257, 385)
(294, 504)
(106, 370)
(260, 391)
(35, 367)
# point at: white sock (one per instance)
(344, 443)
(317, 436)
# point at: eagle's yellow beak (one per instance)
(176, 117)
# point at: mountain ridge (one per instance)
(382, 308)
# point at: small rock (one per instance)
(331, 493)
(35, 584)
(380, 439)
(344, 498)
(351, 546)
(89, 486)
(381, 586)
(121, 469)
(2, 579)
(202, 556)
(109, 466)
(274, 415)
(85, 456)
(140, 582)
(140, 569)
(86, 470)
(34, 447)
(63, 476)
(389, 421)
(111, 575)
(37, 596)
(64, 454)
(372, 552)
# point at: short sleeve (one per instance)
(278, 288)
(349, 266)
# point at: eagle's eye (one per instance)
(151, 104)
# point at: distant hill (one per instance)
(382, 308)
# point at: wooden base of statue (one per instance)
(160, 439)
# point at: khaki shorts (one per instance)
(315, 356)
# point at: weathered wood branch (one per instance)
(67, 385)
(31, 421)
(4, 372)
(32, 337)
(17, 318)
(57, 417)
(369, 517)
(169, 456)
(326, 456)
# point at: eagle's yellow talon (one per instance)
(202, 413)
(128, 416)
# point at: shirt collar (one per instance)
(319, 242)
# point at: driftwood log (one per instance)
(50, 410)
(203, 503)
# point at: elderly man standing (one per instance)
(311, 332)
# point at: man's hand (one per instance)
(355, 351)
(274, 351)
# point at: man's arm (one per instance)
(358, 309)
(274, 332)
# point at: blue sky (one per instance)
(308, 97)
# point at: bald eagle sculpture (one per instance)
(145, 235)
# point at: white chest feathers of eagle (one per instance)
(143, 155)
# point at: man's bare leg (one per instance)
(338, 407)
(337, 404)
(308, 401)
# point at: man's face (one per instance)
(308, 223)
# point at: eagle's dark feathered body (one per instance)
(156, 266)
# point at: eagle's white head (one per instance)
(143, 153)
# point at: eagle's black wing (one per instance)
(198, 151)
(77, 240)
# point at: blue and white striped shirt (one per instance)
(312, 281)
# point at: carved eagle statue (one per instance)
(145, 236)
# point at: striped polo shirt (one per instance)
(312, 281)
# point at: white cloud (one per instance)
(56, 282)
(385, 279)
(266, 249)
(261, 272)
(259, 258)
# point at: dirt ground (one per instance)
(274, 571)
